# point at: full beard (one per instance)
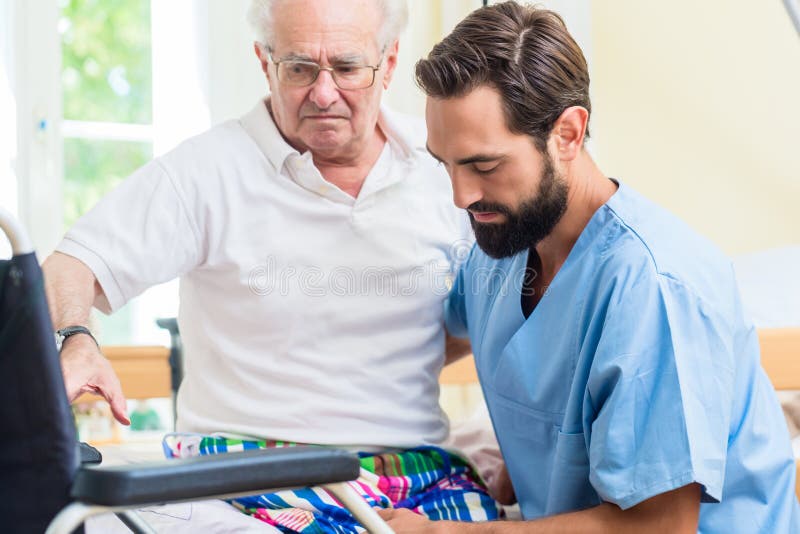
(530, 223)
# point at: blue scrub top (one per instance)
(637, 373)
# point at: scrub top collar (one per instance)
(519, 262)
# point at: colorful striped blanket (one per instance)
(427, 480)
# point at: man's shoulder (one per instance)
(225, 146)
(668, 239)
(217, 141)
(652, 239)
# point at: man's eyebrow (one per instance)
(479, 158)
(294, 56)
(476, 158)
(348, 59)
(344, 59)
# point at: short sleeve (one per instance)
(138, 236)
(660, 387)
(455, 306)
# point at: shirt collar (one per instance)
(259, 125)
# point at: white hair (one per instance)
(394, 20)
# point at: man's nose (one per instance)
(324, 91)
(466, 189)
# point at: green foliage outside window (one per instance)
(106, 59)
(106, 76)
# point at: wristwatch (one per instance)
(64, 333)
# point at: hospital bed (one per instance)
(780, 357)
(44, 487)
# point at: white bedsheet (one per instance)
(769, 281)
(208, 516)
(213, 517)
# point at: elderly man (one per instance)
(313, 239)
(620, 372)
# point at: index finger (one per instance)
(116, 399)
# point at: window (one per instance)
(107, 102)
(107, 97)
(111, 84)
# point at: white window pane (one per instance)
(8, 125)
(92, 168)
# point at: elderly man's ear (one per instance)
(391, 62)
(263, 57)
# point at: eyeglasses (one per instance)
(304, 73)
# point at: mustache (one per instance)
(489, 206)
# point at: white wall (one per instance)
(180, 76)
(234, 74)
(696, 104)
(424, 28)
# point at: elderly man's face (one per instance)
(333, 123)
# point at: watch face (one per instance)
(70, 330)
(64, 333)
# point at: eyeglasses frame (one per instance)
(332, 70)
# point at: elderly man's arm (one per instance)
(675, 511)
(455, 348)
(71, 290)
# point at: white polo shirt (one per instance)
(306, 315)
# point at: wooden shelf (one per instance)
(143, 371)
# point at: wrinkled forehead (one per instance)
(327, 29)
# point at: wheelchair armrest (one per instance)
(88, 454)
(253, 471)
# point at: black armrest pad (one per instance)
(202, 477)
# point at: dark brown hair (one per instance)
(524, 52)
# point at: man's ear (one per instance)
(263, 58)
(391, 62)
(569, 132)
(262, 55)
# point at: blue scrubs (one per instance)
(637, 373)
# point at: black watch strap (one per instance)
(64, 333)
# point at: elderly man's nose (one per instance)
(324, 92)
